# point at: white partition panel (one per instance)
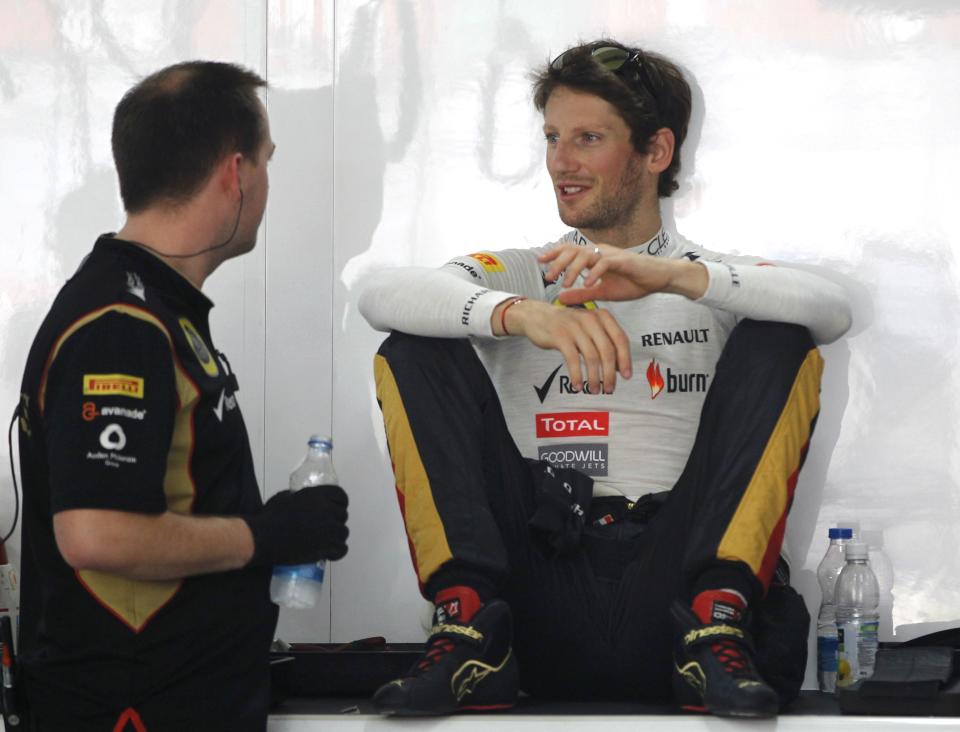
(297, 348)
(63, 68)
(823, 133)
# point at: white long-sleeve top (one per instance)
(636, 440)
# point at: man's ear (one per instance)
(660, 149)
(228, 174)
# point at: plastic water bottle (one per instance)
(297, 586)
(827, 573)
(858, 617)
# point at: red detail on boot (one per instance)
(458, 603)
(719, 606)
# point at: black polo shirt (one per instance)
(127, 406)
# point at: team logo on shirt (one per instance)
(226, 402)
(675, 382)
(113, 437)
(573, 424)
(565, 385)
(489, 262)
(468, 306)
(671, 337)
(469, 269)
(90, 412)
(113, 385)
(654, 378)
(135, 286)
(590, 459)
(24, 412)
(200, 349)
(658, 243)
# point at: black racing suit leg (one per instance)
(467, 497)
(725, 518)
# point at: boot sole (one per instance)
(444, 712)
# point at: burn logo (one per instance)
(674, 383)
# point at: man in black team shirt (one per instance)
(146, 547)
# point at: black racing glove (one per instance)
(299, 527)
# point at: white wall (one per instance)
(825, 134)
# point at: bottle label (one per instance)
(867, 647)
(857, 651)
(827, 646)
(312, 572)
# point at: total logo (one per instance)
(674, 382)
(573, 424)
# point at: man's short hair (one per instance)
(171, 129)
(647, 90)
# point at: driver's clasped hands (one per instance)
(593, 344)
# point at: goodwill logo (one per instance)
(589, 459)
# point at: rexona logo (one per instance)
(674, 383)
(565, 386)
(573, 424)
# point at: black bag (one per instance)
(780, 626)
(918, 678)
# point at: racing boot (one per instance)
(467, 666)
(713, 668)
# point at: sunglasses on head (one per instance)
(618, 61)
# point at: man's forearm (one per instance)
(427, 302)
(152, 547)
(783, 294)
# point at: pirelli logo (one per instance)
(113, 384)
